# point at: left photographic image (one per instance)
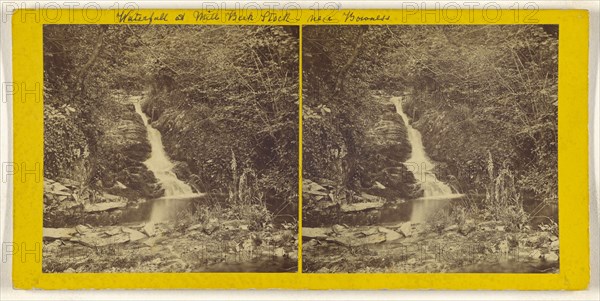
(170, 148)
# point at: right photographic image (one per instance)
(430, 149)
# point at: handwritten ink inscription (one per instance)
(136, 17)
(271, 16)
(350, 17)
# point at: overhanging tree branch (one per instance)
(355, 52)
(83, 71)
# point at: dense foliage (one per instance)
(341, 67)
(484, 98)
(226, 100)
(485, 95)
(224, 97)
(81, 64)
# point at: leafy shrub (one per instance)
(502, 198)
(65, 145)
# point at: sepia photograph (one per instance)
(170, 148)
(430, 149)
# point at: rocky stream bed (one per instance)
(146, 247)
(355, 240)
(103, 241)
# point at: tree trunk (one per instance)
(339, 85)
(83, 71)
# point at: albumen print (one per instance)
(430, 149)
(170, 148)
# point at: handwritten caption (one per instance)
(246, 16)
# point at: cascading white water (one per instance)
(434, 190)
(162, 167)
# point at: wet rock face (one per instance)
(123, 149)
(127, 134)
(390, 107)
(68, 202)
(326, 204)
(62, 200)
(383, 177)
(388, 137)
(387, 149)
(182, 170)
(140, 179)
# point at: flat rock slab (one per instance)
(389, 234)
(113, 198)
(315, 232)
(58, 233)
(353, 241)
(81, 229)
(339, 229)
(370, 231)
(451, 228)
(113, 231)
(371, 198)
(361, 206)
(58, 192)
(58, 187)
(199, 227)
(554, 246)
(313, 187)
(406, 229)
(134, 235)
(551, 257)
(149, 229)
(316, 192)
(98, 207)
(378, 185)
(152, 241)
(95, 241)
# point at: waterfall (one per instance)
(435, 192)
(162, 168)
